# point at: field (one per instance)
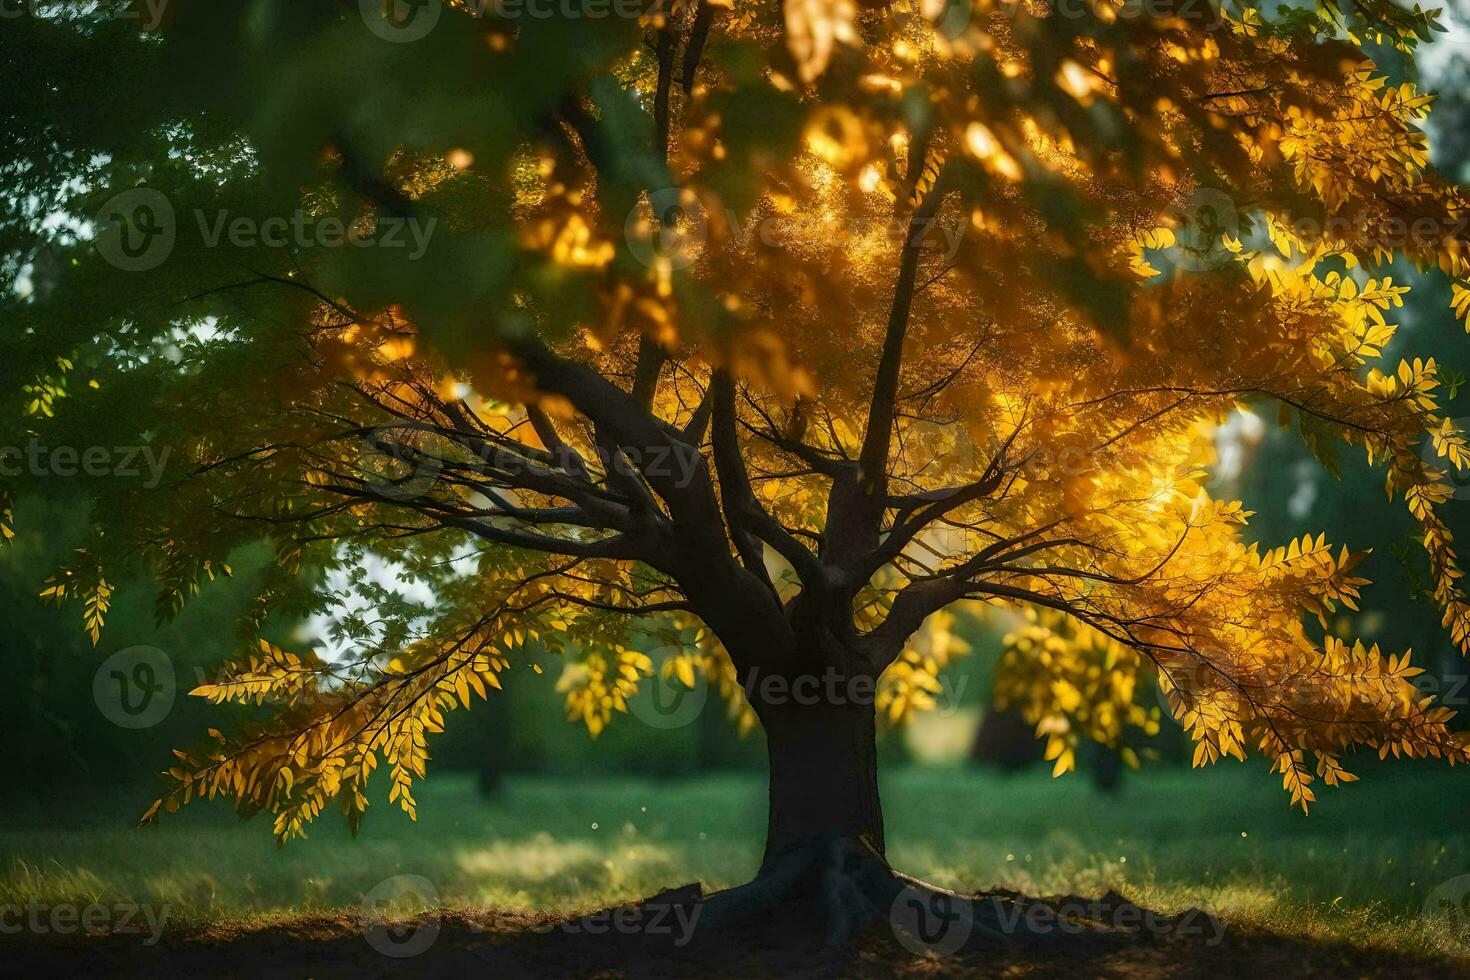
(1357, 873)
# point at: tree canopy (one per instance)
(770, 333)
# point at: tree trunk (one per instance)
(824, 874)
(824, 775)
(1005, 741)
(825, 877)
(496, 732)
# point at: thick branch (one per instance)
(873, 459)
(738, 604)
(855, 506)
(748, 519)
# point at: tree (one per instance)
(773, 335)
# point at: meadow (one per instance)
(1383, 864)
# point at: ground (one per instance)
(490, 884)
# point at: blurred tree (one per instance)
(770, 335)
(1449, 78)
(62, 736)
(1005, 739)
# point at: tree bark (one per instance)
(824, 775)
(825, 876)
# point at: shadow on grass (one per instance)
(1103, 937)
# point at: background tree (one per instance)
(769, 334)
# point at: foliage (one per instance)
(1072, 681)
(772, 333)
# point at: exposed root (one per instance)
(834, 895)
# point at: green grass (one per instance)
(1358, 869)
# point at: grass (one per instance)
(1358, 870)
